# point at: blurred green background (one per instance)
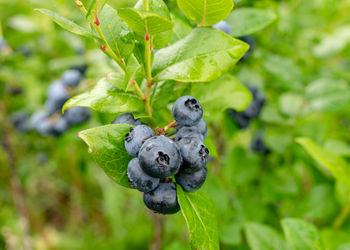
(54, 196)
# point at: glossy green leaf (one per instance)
(181, 28)
(263, 237)
(104, 97)
(245, 21)
(141, 21)
(206, 12)
(328, 95)
(161, 94)
(132, 66)
(200, 216)
(198, 57)
(67, 24)
(217, 96)
(301, 235)
(106, 144)
(335, 164)
(118, 35)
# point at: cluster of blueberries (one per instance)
(50, 121)
(225, 27)
(159, 157)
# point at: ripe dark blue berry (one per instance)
(163, 199)
(20, 121)
(136, 137)
(57, 95)
(44, 127)
(188, 132)
(77, 115)
(223, 26)
(60, 126)
(71, 78)
(160, 157)
(37, 118)
(191, 181)
(127, 118)
(258, 146)
(202, 127)
(194, 153)
(139, 179)
(241, 121)
(187, 111)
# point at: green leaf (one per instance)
(140, 21)
(206, 12)
(118, 35)
(285, 70)
(262, 237)
(199, 57)
(199, 213)
(132, 66)
(161, 94)
(106, 144)
(328, 95)
(301, 235)
(104, 97)
(291, 104)
(335, 164)
(226, 92)
(245, 21)
(67, 24)
(180, 29)
(93, 6)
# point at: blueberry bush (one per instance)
(175, 124)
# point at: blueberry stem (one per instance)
(162, 131)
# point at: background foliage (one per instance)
(54, 196)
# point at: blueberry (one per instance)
(163, 199)
(258, 146)
(127, 118)
(194, 153)
(223, 26)
(37, 118)
(187, 111)
(188, 132)
(252, 111)
(57, 91)
(241, 121)
(136, 137)
(139, 179)
(57, 95)
(202, 127)
(77, 115)
(71, 78)
(60, 126)
(191, 181)
(160, 157)
(250, 40)
(44, 127)
(20, 121)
